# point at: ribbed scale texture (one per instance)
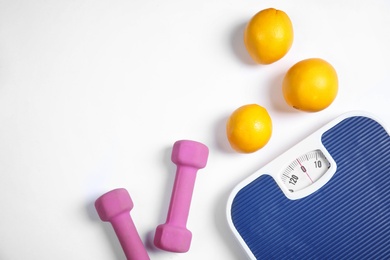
(348, 218)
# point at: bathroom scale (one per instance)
(328, 197)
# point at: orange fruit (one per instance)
(310, 85)
(268, 36)
(249, 128)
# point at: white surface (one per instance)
(94, 93)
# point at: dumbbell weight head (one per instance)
(113, 203)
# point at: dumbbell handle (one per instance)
(128, 237)
(181, 196)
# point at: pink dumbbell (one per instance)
(189, 156)
(114, 206)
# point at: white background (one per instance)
(93, 94)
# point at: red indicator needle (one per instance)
(305, 171)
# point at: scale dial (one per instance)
(305, 170)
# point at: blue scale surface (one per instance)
(348, 218)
